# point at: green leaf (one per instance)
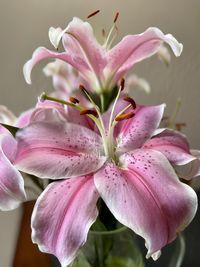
(13, 130)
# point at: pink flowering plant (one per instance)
(98, 151)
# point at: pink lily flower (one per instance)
(12, 191)
(11, 181)
(137, 183)
(100, 66)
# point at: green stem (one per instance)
(47, 97)
(102, 102)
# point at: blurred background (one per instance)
(24, 26)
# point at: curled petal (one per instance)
(62, 217)
(55, 35)
(134, 132)
(43, 53)
(134, 48)
(57, 149)
(11, 182)
(190, 170)
(152, 200)
(133, 81)
(173, 145)
(164, 55)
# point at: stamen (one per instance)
(93, 13)
(94, 105)
(73, 100)
(131, 101)
(82, 88)
(125, 116)
(89, 111)
(111, 35)
(122, 84)
(116, 17)
(44, 97)
(179, 126)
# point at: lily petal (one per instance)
(62, 217)
(55, 35)
(43, 53)
(173, 145)
(93, 51)
(135, 48)
(49, 111)
(74, 117)
(57, 149)
(134, 132)
(11, 182)
(152, 200)
(6, 116)
(24, 119)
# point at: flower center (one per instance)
(106, 132)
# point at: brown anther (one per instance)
(89, 112)
(82, 88)
(131, 101)
(116, 17)
(179, 126)
(93, 13)
(103, 33)
(125, 116)
(73, 100)
(122, 84)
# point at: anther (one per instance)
(125, 116)
(131, 101)
(116, 17)
(179, 126)
(122, 84)
(89, 112)
(73, 100)
(93, 13)
(82, 88)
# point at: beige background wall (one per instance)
(24, 25)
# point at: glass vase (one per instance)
(115, 248)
